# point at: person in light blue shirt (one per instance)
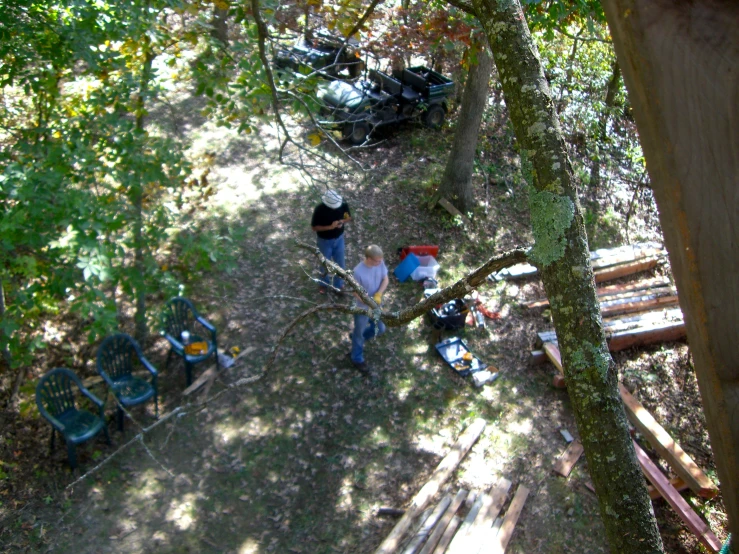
(372, 275)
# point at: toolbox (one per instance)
(454, 351)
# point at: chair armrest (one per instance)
(205, 324)
(148, 365)
(99, 403)
(55, 423)
(106, 378)
(178, 346)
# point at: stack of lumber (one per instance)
(640, 296)
(689, 474)
(622, 333)
(467, 523)
(445, 527)
(607, 263)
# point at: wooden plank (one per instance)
(696, 525)
(554, 356)
(448, 206)
(644, 284)
(568, 459)
(428, 525)
(626, 256)
(480, 532)
(438, 533)
(662, 333)
(460, 539)
(448, 535)
(200, 381)
(625, 334)
(677, 483)
(500, 543)
(680, 462)
(441, 474)
(623, 270)
(649, 287)
(625, 306)
(558, 382)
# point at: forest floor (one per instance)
(300, 460)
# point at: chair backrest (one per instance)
(55, 391)
(179, 315)
(116, 355)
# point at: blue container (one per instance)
(406, 267)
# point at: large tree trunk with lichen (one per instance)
(456, 184)
(561, 253)
(680, 61)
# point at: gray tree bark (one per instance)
(456, 184)
(599, 141)
(562, 255)
(680, 62)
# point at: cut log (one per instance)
(660, 333)
(564, 464)
(429, 490)
(448, 535)
(682, 464)
(622, 270)
(500, 543)
(678, 484)
(436, 536)
(637, 304)
(696, 525)
(633, 331)
(611, 290)
(428, 526)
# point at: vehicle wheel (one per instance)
(434, 117)
(357, 132)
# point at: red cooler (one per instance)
(426, 250)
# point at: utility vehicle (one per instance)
(323, 52)
(356, 109)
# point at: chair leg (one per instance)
(72, 454)
(156, 405)
(51, 441)
(120, 419)
(188, 373)
(169, 355)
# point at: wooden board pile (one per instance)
(607, 263)
(463, 523)
(689, 474)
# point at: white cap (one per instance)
(332, 199)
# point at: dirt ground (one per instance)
(300, 460)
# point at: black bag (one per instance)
(450, 316)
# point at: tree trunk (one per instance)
(561, 253)
(219, 24)
(137, 199)
(680, 67)
(599, 142)
(8, 358)
(456, 184)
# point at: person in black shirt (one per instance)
(328, 222)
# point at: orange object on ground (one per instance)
(196, 348)
(480, 307)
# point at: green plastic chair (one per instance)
(180, 315)
(117, 356)
(55, 398)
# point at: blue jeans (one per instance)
(364, 330)
(332, 249)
